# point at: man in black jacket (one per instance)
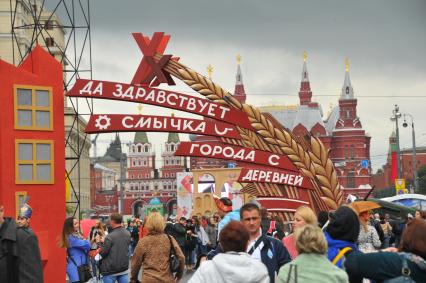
(179, 233)
(114, 265)
(270, 251)
(20, 259)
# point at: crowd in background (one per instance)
(350, 244)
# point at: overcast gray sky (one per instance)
(385, 41)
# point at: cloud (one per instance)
(384, 40)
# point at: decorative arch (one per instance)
(171, 207)
(137, 208)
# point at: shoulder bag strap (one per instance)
(341, 253)
(172, 248)
(251, 251)
(73, 261)
(289, 273)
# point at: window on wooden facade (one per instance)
(33, 108)
(19, 201)
(34, 162)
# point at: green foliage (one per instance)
(384, 193)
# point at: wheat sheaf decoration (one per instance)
(311, 158)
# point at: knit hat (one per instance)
(344, 225)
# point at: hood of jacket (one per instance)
(334, 246)
(344, 225)
(240, 267)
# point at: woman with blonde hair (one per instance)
(368, 239)
(303, 215)
(153, 254)
(312, 264)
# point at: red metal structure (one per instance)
(32, 150)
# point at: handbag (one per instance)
(405, 271)
(173, 259)
(83, 270)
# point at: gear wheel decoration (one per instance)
(103, 122)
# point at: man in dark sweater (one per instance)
(114, 265)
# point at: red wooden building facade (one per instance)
(32, 149)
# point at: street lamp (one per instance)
(413, 133)
(395, 115)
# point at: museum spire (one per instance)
(305, 93)
(239, 92)
(347, 90)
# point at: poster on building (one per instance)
(206, 184)
(184, 194)
(231, 189)
(400, 187)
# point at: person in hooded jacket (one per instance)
(234, 265)
(408, 262)
(341, 234)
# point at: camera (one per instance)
(404, 124)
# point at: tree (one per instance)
(421, 174)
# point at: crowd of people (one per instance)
(350, 244)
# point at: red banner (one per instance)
(107, 123)
(394, 167)
(159, 97)
(229, 152)
(265, 175)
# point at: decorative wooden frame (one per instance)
(33, 108)
(17, 206)
(34, 162)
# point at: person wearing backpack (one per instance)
(341, 234)
(406, 264)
